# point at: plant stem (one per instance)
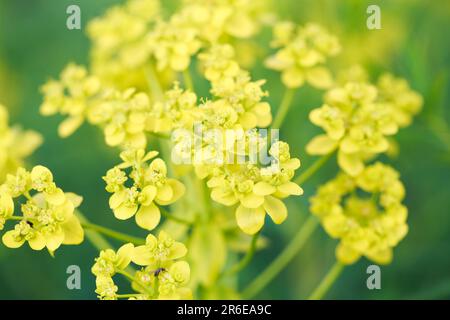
(153, 82)
(188, 83)
(97, 240)
(284, 108)
(313, 169)
(113, 234)
(327, 282)
(246, 259)
(170, 216)
(282, 260)
(127, 295)
(15, 218)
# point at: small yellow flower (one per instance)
(158, 251)
(109, 261)
(235, 89)
(121, 114)
(178, 110)
(163, 277)
(48, 215)
(356, 124)
(405, 102)
(149, 187)
(257, 191)
(173, 45)
(367, 226)
(119, 43)
(302, 54)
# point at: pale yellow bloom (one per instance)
(303, 52)
(368, 226)
(48, 215)
(149, 188)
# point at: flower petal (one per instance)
(252, 200)
(321, 145)
(37, 242)
(147, 195)
(148, 217)
(124, 212)
(276, 209)
(10, 241)
(319, 77)
(263, 188)
(73, 231)
(250, 220)
(290, 188)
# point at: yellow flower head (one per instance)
(234, 88)
(173, 45)
(405, 102)
(224, 18)
(48, 218)
(355, 123)
(80, 97)
(303, 52)
(178, 110)
(149, 186)
(162, 277)
(358, 119)
(257, 190)
(119, 42)
(15, 145)
(365, 212)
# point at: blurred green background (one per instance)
(413, 43)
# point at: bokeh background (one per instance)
(413, 43)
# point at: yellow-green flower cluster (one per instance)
(81, 97)
(15, 145)
(216, 19)
(120, 48)
(161, 275)
(48, 218)
(257, 190)
(234, 90)
(303, 52)
(405, 102)
(149, 187)
(172, 44)
(365, 212)
(178, 110)
(357, 121)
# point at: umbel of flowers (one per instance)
(47, 217)
(131, 91)
(149, 187)
(367, 225)
(161, 275)
(358, 118)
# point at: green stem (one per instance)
(327, 282)
(113, 234)
(127, 295)
(246, 259)
(313, 168)
(284, 108)
(97, 240)
(153, 82)
(15, 218)
(188, 83)
(170, 216)
(282, 260)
